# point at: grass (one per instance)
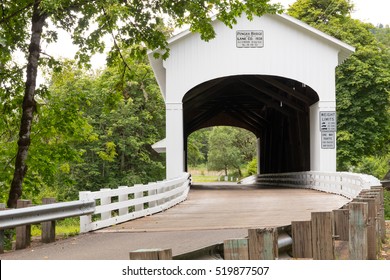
(64, 228)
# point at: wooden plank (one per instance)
(23, 233)
(48, 233)
(151, 254)
(236, 249)
(263, 244)
(322, 235)
(302, 242)
(341, 224)
(372, 249)
(358, 249)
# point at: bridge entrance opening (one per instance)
(275, 109)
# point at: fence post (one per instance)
(86, 220)
(322, 235)
(381, 211)
(121, 198)
(263, 244)
(341, 222)
(358, 230)
(48, 234)
(138, 207)
(105, 201)
(23, 233)
(302, 240)
(372, 237)
(2, 207)
(236, 249)
(151, 254)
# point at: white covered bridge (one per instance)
(274, 76)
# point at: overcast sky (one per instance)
(373, 11)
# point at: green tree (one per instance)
(24, 26)
(362, 81)
(229, 148)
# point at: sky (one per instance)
(373, 11)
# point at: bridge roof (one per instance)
(345, 49)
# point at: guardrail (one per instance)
(346, 184)
(47, 214)
(123, 204)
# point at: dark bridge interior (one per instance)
(275, 109)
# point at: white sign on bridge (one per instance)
(250, 38)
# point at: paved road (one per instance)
(210, 215)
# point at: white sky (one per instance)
(373, 11)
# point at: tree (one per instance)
(229, 148)
(362, 81)
(130, 22)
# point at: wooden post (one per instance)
(358, 231)
(263, 244)
(48, 234)
(2, 207)
(122, 198)
(341, 224)
(105, 201)
(381, 210)
(302, 242)
(151, 254)
(23, 233)
(236, 249)
(322, 235)
(372, 249)
(139, 207)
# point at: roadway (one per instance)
(211, 214)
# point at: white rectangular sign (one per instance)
(250, 38)
(328, 140)
(328, 121)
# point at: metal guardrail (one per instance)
(44, 213)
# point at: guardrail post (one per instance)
(322, 235)
(104, 201)
(48, 228)
(358, 212)
(151, 254)
(23, 233)
(236, 249)
(263, 244)
(138, 207)
(86, 220)
(302, 241)
(2, 207)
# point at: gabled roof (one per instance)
(345, 49)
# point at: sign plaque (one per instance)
(328, 127)
(328, 140)
(250, 38)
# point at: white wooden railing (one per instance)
(346, 184)
(114, 206)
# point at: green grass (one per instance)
(204, 178)
(64, 228)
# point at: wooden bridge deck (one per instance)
(210, 215)
(235, 207)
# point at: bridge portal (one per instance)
(274, 76)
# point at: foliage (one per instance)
(229, 148)
(24, 26)
(376, 166)
(362, 91)
(251, 168)
(387, 204)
